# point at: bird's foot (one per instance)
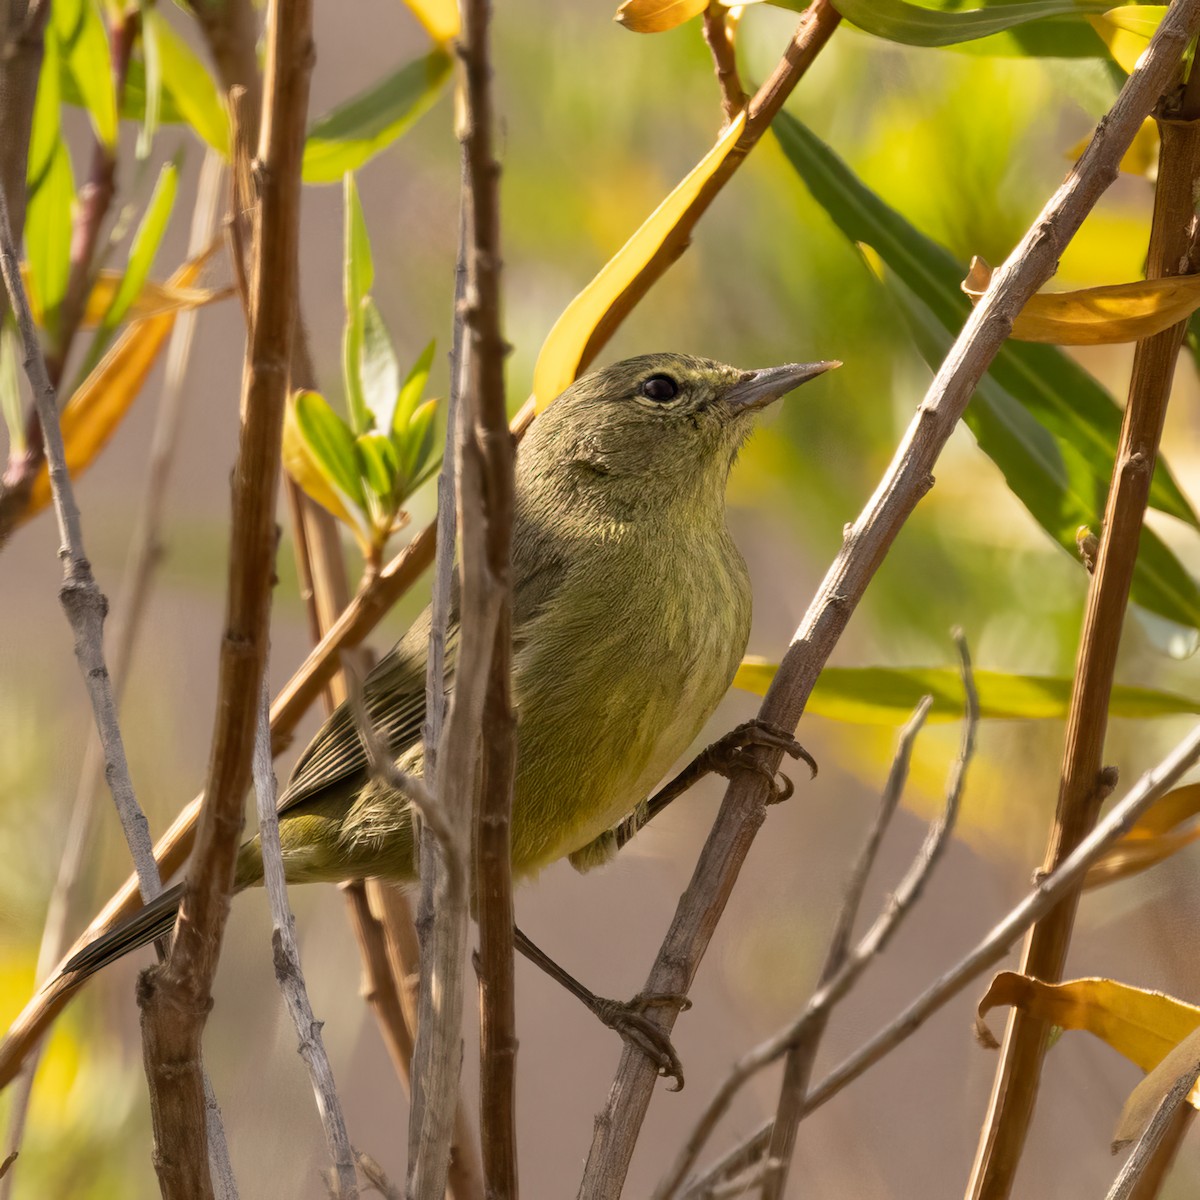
(629, 1019)
(729, 754)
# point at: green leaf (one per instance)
(152, 56)
(359, 274)
(133, 101)
(411, 391)
(378, 466)
(378, 368)
(87, 62)
(1054, 389)
(1051, 477)
(10, 389)
(415, 448)
(888, 695)
(186, 80)
(332, 445)
(142, 250)
(354, 132)
(51, 188)
(913, 25)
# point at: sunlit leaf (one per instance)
(1142, 19)
(84, 45)
(888, 695)
(301, 464)
(99, 404)
(51, 190)
(655, 16)
(377, 464)
(378, 369)
(1169, 825)
(416, 447)
(1096, 316)
(358, 275)
(142, 250)
(600, 306)
(440, 18)
(411, 391)
(187, 81)
(152, 62)
(913, 25)
(354, 132)
(1126, 31)
(331, 445)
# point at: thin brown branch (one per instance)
(866, 543)
(719, 34)
(175, 997)
(730, 1165)
(1080, 794)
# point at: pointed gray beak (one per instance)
(757, 389)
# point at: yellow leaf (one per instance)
(440, 18)
(1142, 1025)
(101, 401)
(656, 16)
(1142, 156)
(302, 467)
(1126, 39)
(1144, 1101)
(590, 318)
(1153, 838)
(1122, 312)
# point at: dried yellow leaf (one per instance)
(603, 302)
(657, 16)
(1144, 1101)
(1154, 838)
(1122, 312)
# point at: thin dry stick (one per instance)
(730, 1165)
(801, 1056)
(487, 537)
(175, 997)
(1129, 1178)
(370, 605)
(1080, 794)
(1153, 1173)
(718, 33)
(288, 972)
(144, 555)
(801, 1037)
(866, 543)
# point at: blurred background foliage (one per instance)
(966, 143)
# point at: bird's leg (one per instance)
(725, 756)
(627, 1017)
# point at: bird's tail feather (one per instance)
(155, 920)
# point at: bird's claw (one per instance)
(729, 754)
(628, 1018)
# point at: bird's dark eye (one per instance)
(660, 388)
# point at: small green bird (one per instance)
(631, 612)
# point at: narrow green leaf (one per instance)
(354, 132)
(186, 80)
(142, 250)
(152, 57)
(913, 25)
(378, 466)
(378, 368)
(1056, 390)
(10, 389)
(411, 390)
(1051, 477)
(887, 695)
(87, 61)
(359, 274)
(414, 447)
(332, 445)
(51, 189)
(133, 100)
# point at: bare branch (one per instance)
(1125, 1186)
(718, 33)
(866, 544)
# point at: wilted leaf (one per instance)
(84, 44)
(602, 301)
(354, 132)
(186, 80)
(1096, 316)
(888, 695)
(655, 16)
(98, 405)
(1155, 837)
(440, 18)
(912, 25)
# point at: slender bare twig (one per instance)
(1126, 1184)
(175, 998)
(136, 585)
(1170, 253)
(718, 33)
(288, 972)
(730, 1165)
(843, 967)
(865, 545)
(372, 603)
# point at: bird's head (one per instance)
(660, 423)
